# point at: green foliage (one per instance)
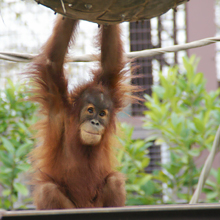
(140, 186)
(16, 115)
(186, 118)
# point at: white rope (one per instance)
(206, 169)
(16, 57)
(175, 48)
(20, 57)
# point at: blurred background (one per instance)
(25, 26)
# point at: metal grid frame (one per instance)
(148, 35)
(151, 34)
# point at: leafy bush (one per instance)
(212, 187)
(185, 117)
(141, 187)
(16, 115)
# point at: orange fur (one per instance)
(67, 173)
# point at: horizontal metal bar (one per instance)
(165, 212)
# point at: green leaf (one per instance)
(10, 95)
(159, 90)
(164, 82)
(199, 124)
(189, 68)
(175, 119)
(7, 204)
(5, 170)
(6, 159)
(212, 195)
(218, 176)
(21, 188)
(151, 138)
(6, 192)
(199, 77)
(132, 187)
(24, 167)
(211, 183)
(22, 126)
(145, 162)
(149, 187)
(145, 179)
(8, 145)
(183, 196)
(120, 155)
(194, 152)
(23, 150)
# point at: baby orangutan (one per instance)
(73, 161)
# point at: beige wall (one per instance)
(201, 24)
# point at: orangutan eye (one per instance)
(102, 113)
(90, 110)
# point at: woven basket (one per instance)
(111, 11)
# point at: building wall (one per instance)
(201, 24)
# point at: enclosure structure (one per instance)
(111, 11)
(163, 212)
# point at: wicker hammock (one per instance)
(111, 11)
